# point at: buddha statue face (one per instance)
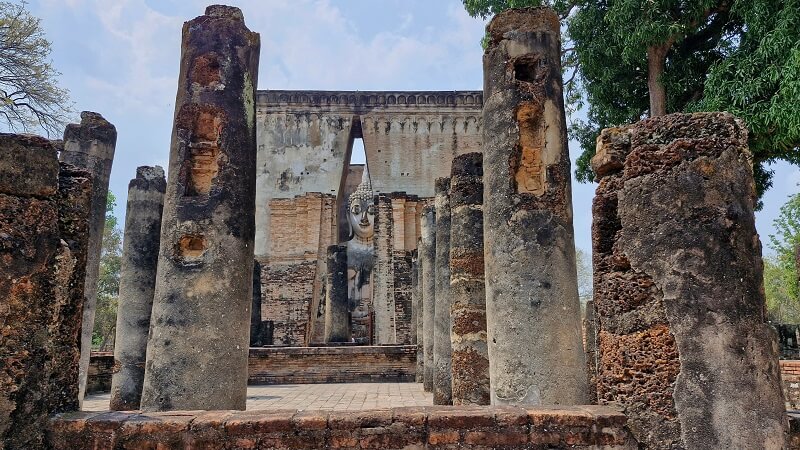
(362, 217)
(361, 211)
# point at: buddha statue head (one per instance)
(361, 210)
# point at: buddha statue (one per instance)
(360, 250)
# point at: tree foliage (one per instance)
(781, 272)
(637, 58)
(105, 322)
(30, 98)
(585, 276)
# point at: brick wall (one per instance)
(301, 229)
(356, 364)
(577, 427)
(790, 375)
(101, 367)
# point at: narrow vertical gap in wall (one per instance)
(354, 164)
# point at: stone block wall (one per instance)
(346, 364)
(101, 367)
(577, 427)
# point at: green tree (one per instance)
(105, 322)
(639, 58)
(780, 271)
(30, 98)
(585, 280)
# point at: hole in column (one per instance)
(191, 246)
(530, 68)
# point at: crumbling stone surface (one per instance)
(470, 366)
(337, 319)
(682, 340)
(74, 206)
(427, 254)
(90, 145)
(197, 350)
(532, 308)
(442, 349)
(33, 261)
(581, 428)
(137, 285)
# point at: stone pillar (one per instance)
(256, 324)
(90, 145)
(427, 255)
(470, 365)
(683, 345)
(136, 285)
(532, 307)
(442, 350)
(590, 348)
(337, 319)
(417, 313)
(198, 347)
(74, 206)
(30, 253)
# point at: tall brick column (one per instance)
(442, 349)
(416, 316)
(198, 347)
(136, 285)
(337, 319)
(682, 340)
(427, 255)
(32, 257)
(90, 145)
(532, 307)
(470, 365)
(74, 206)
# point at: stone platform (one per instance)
(576, 427)
(339, 364)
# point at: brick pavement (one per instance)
(326, 397)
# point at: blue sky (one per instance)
(120, 58)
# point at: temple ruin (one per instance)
(446, 263)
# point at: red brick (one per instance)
(443, 437)
(462, 417)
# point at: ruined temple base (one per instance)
(473, 427)
(334, 364)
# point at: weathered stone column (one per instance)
(30, 251)
(90, 145)
(470, 365)
(337, 320)
(417, 314)
(136, 285)
(427, 255)
(590, 348)
(256, 324)
(442, 350)
(683, 344)
(74, 205)
(198, 346)
(532, 307)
